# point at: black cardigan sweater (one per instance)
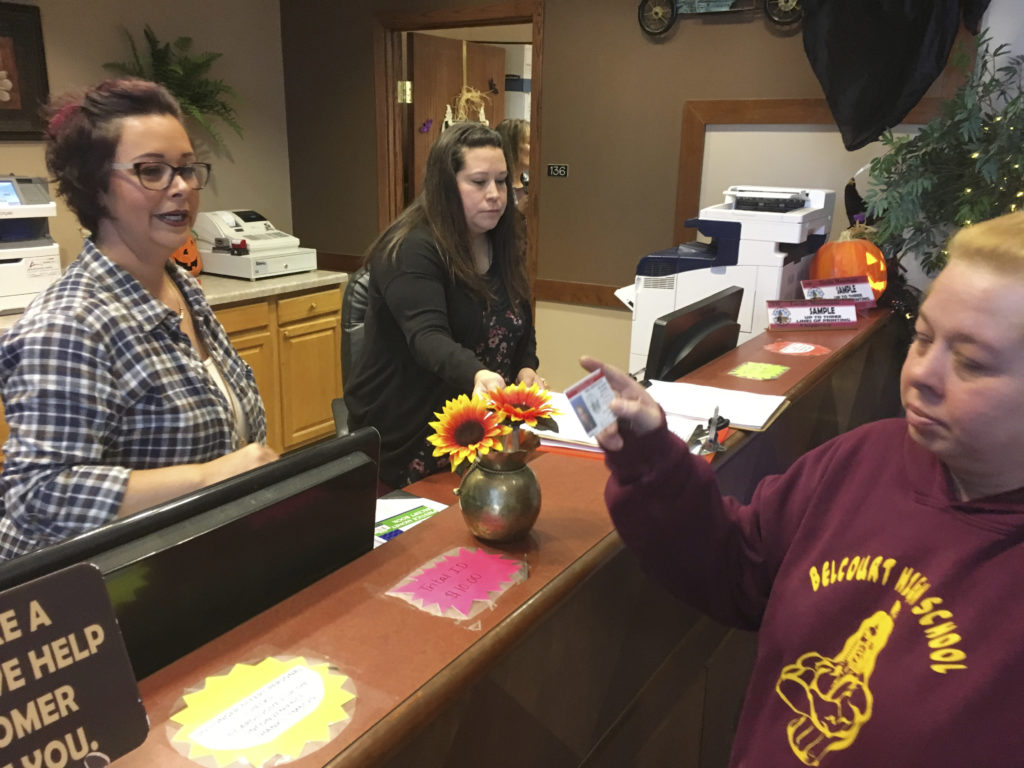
(421, 328)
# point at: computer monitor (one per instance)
(184, 572)
(688, 337)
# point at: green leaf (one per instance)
(186, 76)
(919, 187)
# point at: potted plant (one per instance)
(965, 166)
(186, 76)
(499, 495)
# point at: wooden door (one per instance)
(438, 68)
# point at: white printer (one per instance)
(29, 259)
(244, 244)
(761, 239)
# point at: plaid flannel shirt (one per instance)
(98, 379)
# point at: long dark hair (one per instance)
(439, 208)
(513, 130)
(83, 134)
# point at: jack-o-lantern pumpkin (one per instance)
(188, 257)
(851, 258)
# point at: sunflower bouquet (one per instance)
(487, 429)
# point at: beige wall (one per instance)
(566, 331)
(612, 106)
(253, 173)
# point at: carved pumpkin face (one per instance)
(188, 258)
(851, 258)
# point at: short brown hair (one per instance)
(996, 244)
(83, 134)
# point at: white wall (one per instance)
(253, 173)
(518, 61)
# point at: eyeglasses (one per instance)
(158, 176)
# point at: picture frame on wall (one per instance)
(24, 87)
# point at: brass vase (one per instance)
(500, 497)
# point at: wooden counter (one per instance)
(586, 663)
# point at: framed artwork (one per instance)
(24, 88)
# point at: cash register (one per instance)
(760, 239)
(29, 258)
(245, 244)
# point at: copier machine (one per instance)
(29, 259)
(761, 239)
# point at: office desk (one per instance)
(586, 663)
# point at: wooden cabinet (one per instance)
(309, 342)
(252, 330)
(293, 344)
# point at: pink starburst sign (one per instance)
(460, 583)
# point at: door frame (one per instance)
(387, 53)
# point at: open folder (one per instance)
(744, 410)
(572, 436)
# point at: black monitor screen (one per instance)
(180, 574)
(688, 337)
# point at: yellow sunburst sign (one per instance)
(264, 714)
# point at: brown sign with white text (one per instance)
(68, 696)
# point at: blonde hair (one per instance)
(996, 244)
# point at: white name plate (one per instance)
(801, 315)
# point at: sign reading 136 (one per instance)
(561, 170)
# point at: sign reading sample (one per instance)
(856, 289)
(67, 691)
(801, 315)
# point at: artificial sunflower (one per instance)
(465, 428)
(528, 404)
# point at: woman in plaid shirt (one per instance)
(120, 387)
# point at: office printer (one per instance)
(760, 238)
(244, 244)
(29, 259)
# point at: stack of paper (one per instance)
(744, 410)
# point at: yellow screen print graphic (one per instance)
(831, 695)
(263, 714)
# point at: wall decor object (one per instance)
(656, 17)
(24, 88)
(784, 12)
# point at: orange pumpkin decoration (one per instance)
(851, 258)
(188, 257)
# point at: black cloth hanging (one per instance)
(875, 59)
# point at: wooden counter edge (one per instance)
(393, 730)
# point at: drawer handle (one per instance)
(312, 306)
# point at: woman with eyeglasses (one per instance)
(120, 386)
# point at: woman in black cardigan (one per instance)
(449, 303)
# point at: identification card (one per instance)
(590, 398)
